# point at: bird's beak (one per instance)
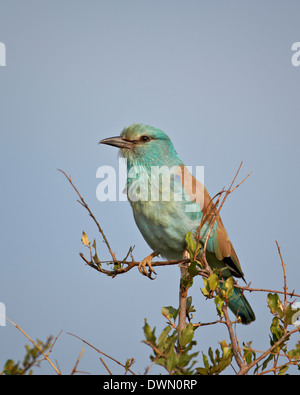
(117, 142)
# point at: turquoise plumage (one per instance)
(167, 202)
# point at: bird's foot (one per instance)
(147, 262)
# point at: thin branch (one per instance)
(130, 265)
(34, 343)
(83, 203)
(233, 338)
(245, 288)
(53, 344)
(102, 353)
(106, 367)
(170, 321)
(213, 211)
(245, 369)
(183, 290)
(208, 323)
(284, 276)
(74, 370)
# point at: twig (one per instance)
(150, 366)
(106, 367)
(285, 335)
(245, 288)
(74, 370)
(208, 323)
(169, 321)
(55, 340)
(183, 290)
(212, 212)
(203, 273)
(129, 265)
(34, 343)
(100, 352)
(246, 368)
(284, 276)
(83, 203)
(234, 345)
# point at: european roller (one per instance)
(168, 202)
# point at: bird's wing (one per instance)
(220, 246)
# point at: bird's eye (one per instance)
(145, 138)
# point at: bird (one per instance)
(166, 209)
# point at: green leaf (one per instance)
(266, 361)
(203, 371)
(276, 329)
(227, 351)
(206, 289)
(186, 281)
(129, 362)
(218, 362)
(228, 287)
(149, 334)
(213, 281)
(192, 269)
(186, 335)
(295, 353)
(170, 312)
(211, 355)
(189, 307)
(205, 361)
(190, 243)
(172, 360)
(163, 336)
(275, 304)
(184, 358)
(219, 301)
(249, 354)
(282, 370)
(97, 260)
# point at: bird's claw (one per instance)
(147, 262)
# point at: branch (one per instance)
(212, 213)
(234, 345)
(284, 276)
(74, 370)
(245, 369)
(102, 353)
(247, 288)
(129, 265)
(183, 290)
(83, 203)
(46, 356)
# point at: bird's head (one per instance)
(144, 145)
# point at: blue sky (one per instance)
(217, 77)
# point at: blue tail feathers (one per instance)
(240, 306)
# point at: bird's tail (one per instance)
(240, 307)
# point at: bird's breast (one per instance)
(163, 212)
(163, 226)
